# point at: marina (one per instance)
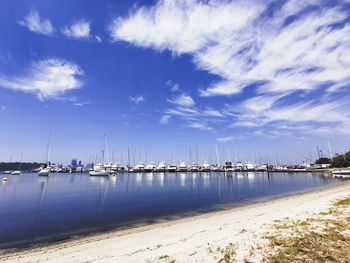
(39, 209)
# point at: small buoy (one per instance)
(113, 174)
(49, 175)
(4, 179)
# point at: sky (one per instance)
(259, 80)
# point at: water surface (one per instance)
(35, 209)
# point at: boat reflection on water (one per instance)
(159, 177)
(148, 179)
(99, 179)
(182, 179)
(251, 176)
(138, 178)
(206, 178)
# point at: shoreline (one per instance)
(97, 245)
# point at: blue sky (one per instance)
(268, 77)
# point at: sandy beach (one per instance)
(194, 239)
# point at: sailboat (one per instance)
(205, 167)
(46, 170)
(160, 167)
(194, 167)
(18, 172)
(140, 167)
(182, 167)
(172, 168)
(100, 169)
(150, 167)
(9, 171)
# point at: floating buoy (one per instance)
(49, 175)
(4, 179)
(113, 174)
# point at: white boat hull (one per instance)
(16, 173)
(43, 173)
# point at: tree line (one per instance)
(339, 161)
(21, 166)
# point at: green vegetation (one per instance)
(14, 166)
(339, 161)
(323, 161)
(342, 160)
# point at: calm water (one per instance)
(37, 209)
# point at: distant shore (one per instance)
(189, 239)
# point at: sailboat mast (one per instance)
(190, 155)
(20, 162)
(128, 157)
(217, 155)
(48, 150)
(330, 150)
(106, 148)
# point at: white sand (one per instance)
(189, 239)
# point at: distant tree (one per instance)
(342, 160)
(15, 165)
(323, 161)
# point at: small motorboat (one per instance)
(44, 171)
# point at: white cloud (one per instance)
(81, 103)
(212, 113)
(35, 24)
(181, 25)
(199, 125)
(137, 99)
(224, 139)
(164, 119)
(98, 39)
(281, 58)
(175, 87)
(49, 78)
(78, 29)
(182, 100)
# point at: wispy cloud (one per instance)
(36, 24)
(281, 57)
(224, 139)
(164, 119)
(3, 107)
(137, 99)
(79, 104)
(199, 125)
(182, 100)
(98, 39)
(48, 79)
(78, 29)
(175, 87)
